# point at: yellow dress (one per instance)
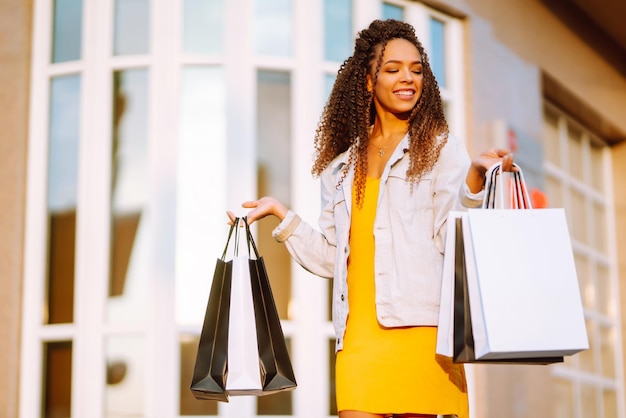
(389, 370)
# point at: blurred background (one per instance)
(129, 127)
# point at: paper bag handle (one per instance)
(250, 240)
(494, 187)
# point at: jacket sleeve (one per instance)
(450, 190)
(312, 249)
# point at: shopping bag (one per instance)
(445, 323)
(516, 296)
(211, 367)
(242, 349)
(276, 370)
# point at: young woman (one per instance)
(390, 173)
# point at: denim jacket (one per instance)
(409, 233)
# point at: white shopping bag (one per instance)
(509, 286)
(244, 377)
(523, 288)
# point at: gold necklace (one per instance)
(381, 151)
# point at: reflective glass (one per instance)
(586, 357)
(329, 82)
(391, 11)
(132, 27)
(605, 299)
(274, 174)
(125, 376)
(576, 154)
(67, 30)
(610, 403)
(554, 192)
(62, 196)
(578, 216)
(608, 343)
(437, 51)
(564, 399)
(201, 170)
(589, 401)
(337, 30)
(129, 258)
(600, 227)
(597, 167)
(57, 390)
(551, 144)
(203, 26)
(274, 27)
(188, 404)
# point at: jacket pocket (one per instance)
(405, 196)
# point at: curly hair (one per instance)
(350, 111)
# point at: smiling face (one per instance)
(399, 83)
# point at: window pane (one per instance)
(125, 385)
(274, 27)
(564, 399)
(203, 26)
(597, 167)
(610, 403)
(607, 351)
(188, 404)
(337, 30)
(57, 379)
(200, 227)
(578, 217)
(575, 144)
(551, 145)
(586, 357)
(554, 192)
(599, 227)
(329, 82)
(589, 401)
(391, 11)
(62, 196)
(274, 174)
(128, 281)
(280, 403)
(606, 301)
(68, 30)
(132, 27)
(437, 53)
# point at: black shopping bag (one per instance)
(276, 370)
(211, 367)
(272, 368)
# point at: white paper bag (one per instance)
(445, 325)
(523, 288)
(244, 376)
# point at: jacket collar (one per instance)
(339, 163)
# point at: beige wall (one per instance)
(15, 36)
(619, 177)
(574, 56)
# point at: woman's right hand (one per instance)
(261, 208)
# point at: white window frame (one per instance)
(309, 330)
(561, 173)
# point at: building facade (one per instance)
(131, 126)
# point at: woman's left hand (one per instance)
(476, 175)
